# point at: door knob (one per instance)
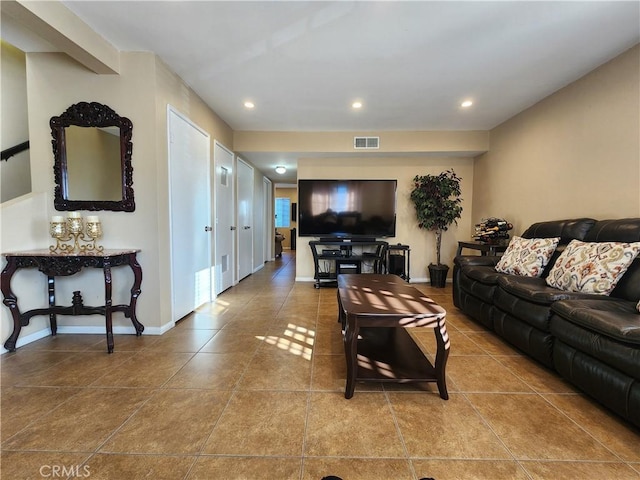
(208, 229)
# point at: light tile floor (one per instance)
(252, 387)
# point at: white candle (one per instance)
(57, 219)
(74, 215)
(93, 219)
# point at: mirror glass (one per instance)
(92, 159)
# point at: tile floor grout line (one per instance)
(42, 415)
(399, 432)
(578, 425)
(488, 424)
(126, 421)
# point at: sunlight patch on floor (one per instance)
(296, 340)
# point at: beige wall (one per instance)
(422, 243)
(171, 90)
(54, 82)
(141, 92)
(432, 142)
(575, 153)
(15, 173)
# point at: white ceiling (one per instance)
(410, 63)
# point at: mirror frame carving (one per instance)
(85, 114)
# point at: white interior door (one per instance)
(245, 218)
(225, 227)
(190, 215)
(269, 237)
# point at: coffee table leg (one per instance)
(442, 341)
(351, 355)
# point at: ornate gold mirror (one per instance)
(92, 159)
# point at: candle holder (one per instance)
(72, 236)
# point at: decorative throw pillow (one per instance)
(592, 267)
(527, 257)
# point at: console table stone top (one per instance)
(45, 252)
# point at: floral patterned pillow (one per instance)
(527, 257)
(592, 267)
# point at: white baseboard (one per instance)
(305, 279)
(90, 330)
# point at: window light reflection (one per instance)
(296, 340)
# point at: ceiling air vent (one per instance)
(366, 142)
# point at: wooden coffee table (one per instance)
(375, 310)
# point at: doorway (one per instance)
(190, 215)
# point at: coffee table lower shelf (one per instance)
(391, 355)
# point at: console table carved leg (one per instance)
(108, 303)
(11, 301)
(135, 293)
(53, 320)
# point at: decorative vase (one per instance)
(438, 275)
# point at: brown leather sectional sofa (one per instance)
(593, 341)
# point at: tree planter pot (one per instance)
(438, 275)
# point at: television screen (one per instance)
(347, 208)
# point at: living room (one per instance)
(546, 161)
(574, 153)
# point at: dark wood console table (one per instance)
(375, 311)
(57, 265)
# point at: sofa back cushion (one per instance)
(567, 230)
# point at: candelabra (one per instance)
(73, 237)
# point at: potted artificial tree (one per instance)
(436, 199)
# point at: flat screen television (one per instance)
(347, 208)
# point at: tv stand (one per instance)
(356, 256)
(348, 239)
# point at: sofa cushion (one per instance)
(592, 267)
(618, 230)
(595, 328)
(612, 318)
(535, 290)
(527, 257)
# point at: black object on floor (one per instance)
(332, 477)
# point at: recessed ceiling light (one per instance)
(466, 104)
(249, 104)
(281, 170)
(356, 104)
